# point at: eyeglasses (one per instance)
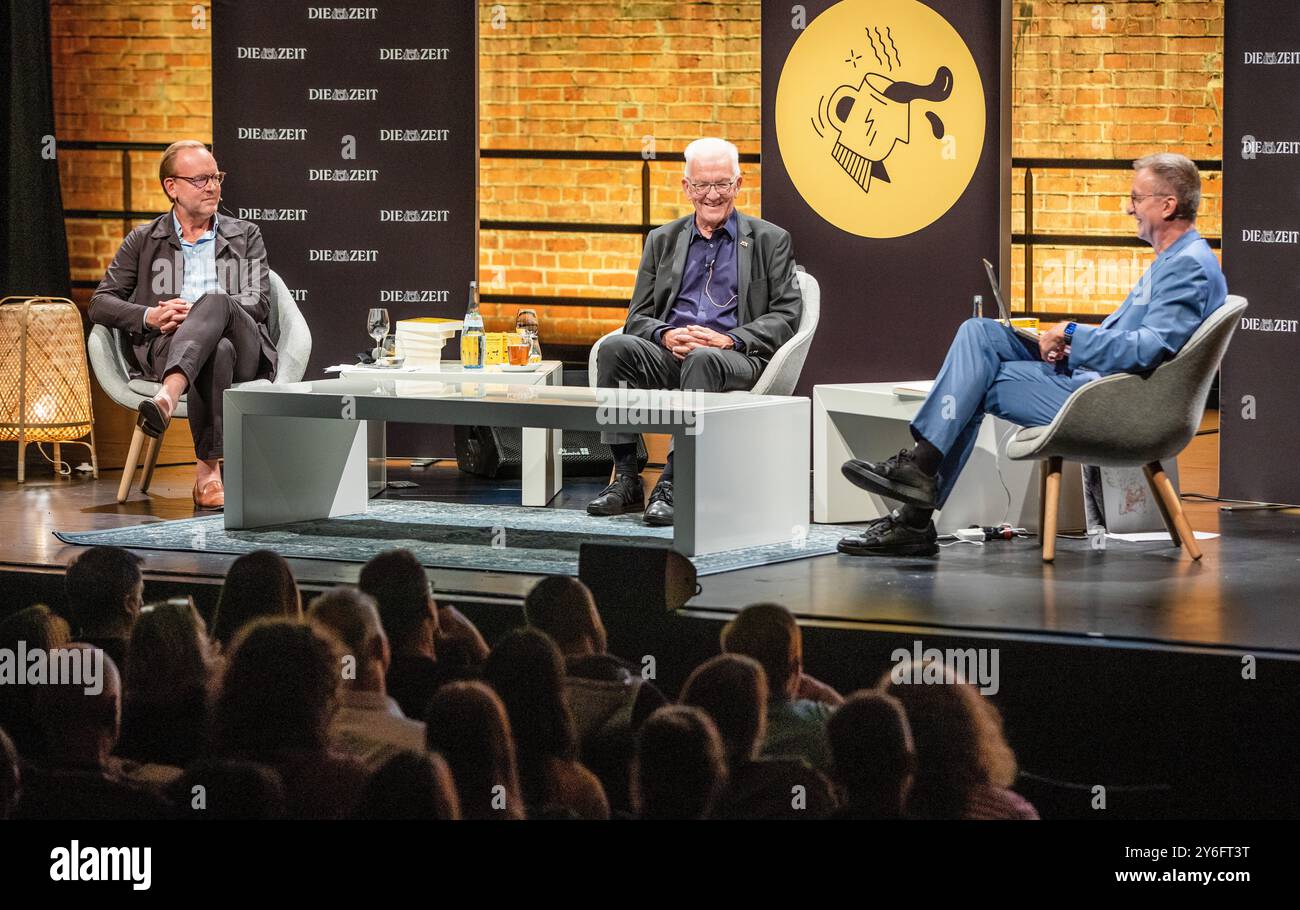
(702, 189)
(1135, 198)
(201, 181)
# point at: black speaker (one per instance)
(497, 452)
(638, 578)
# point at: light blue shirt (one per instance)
(200, 262)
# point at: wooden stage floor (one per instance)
(1242, 595)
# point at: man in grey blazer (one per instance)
(191, 290)
(715, 298)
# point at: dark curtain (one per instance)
(33, 246)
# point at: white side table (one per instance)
(868, 420)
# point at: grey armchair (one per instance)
(107, 348)
(1130, 419)
(782, 372)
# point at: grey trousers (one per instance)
(641, 364)
(217, 345)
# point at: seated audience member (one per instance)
(78, 777)
(222, 790)
(680, 769)
(368, 725)
(872, 756)
(410, 786)
(527, 671)
(964, 766)
(608, 696)
(430, 644)
(105, 590)
(10, 776)
(797, 705)
(732, 690)
(468, 726)
(164, 712)
(257, 584)
(278, 692)
(41, 628)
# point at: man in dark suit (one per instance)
(192, 292)
(715, 298)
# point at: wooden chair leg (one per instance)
(1051, 501)
(58, 457)
(150, 459)
(128, 469)
(1171, 509)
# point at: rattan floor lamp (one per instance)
(44, 383)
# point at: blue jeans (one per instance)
(989, 370)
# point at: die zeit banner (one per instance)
(350, 134)
(886, 156)
(1259, 408)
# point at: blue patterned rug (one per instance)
(448, 536)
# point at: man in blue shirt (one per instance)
(989, 369)
(192, 293)
(715, 298)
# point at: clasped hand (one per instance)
(682, 341)
(167, 316)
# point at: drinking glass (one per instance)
(377, 327)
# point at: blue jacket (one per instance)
(1170, 301)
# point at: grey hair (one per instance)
(1179, 176)
(709, 147)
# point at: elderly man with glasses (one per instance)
(991, 370)
(715, 298)
(192, 292)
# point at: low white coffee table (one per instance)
(299, 451)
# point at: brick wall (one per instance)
(606, 74)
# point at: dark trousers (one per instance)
(217, 345)
(641, 364)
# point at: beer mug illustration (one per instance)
(877, 118)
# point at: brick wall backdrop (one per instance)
(606, 74)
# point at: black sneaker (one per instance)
(896, 478)
(889, 536)
(659, 512)
(625, 494)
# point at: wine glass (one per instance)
(377, 327)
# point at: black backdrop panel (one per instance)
(351, 138)
(1260, 415)
(898, 259)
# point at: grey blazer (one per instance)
(770, 304)
(150, 268)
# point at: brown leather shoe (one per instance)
(212, 497)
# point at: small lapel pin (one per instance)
(744, 243)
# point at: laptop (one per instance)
(1026, 334)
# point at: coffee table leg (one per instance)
(543, 465)
(742, 480)
(283, 469)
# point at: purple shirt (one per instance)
(708, 295)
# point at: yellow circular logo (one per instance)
(880, 116)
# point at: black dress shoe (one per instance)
(889, 536)
(625, 494)
(660, 510)
(151, 418)
(896, 478)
